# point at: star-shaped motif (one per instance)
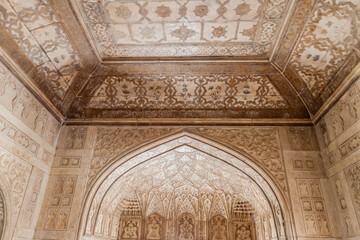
(183, 33)
(242, 9)
(219, 32)
(163, 11)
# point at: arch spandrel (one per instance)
(260, 144)
(98, 197)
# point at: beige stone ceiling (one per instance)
(172, 28)
(188, 171)
(225, 59)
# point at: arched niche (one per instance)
(2, 214)
(154, 227)
(6, 210)
(218, 226)
(186, 227)
(104, 194)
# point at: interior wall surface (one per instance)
(339, 138)
(43, 196)
(289, 155)
(28, 134)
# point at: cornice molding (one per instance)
(191, 122)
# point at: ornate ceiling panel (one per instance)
(187, 92)
(36, 29)
(127, 58)
(188, 171)
(328, 39)
(171, 28)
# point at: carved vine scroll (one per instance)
(261, 144)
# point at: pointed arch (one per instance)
(243, 162)
(6, 210)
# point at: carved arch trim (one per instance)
(206, 135)
(8, 216)
(282, 209)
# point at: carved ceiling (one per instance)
(183, 28)
(224, 59)
(186, 170)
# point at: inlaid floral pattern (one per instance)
(191, 26)
(187, 92)
(328, 39)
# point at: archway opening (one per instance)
(2, 215)
(183, 188)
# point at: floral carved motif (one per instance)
(181, 177)
(243, 231)
(35, 28)
(353, 177)
(338, 182)
(76, 138)
(326, 43)
(17, 99)
(130, 229)
(186, 227)
(28, 214)
(154, 227)
(350, 146)
(262, 144)
(294, 30)
(195, 91)
(302, 139)
(313, 207)
(201, 28)
(111, 142)
(218, 228)
(17, 173)
(60, 202)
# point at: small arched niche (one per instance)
(189, 183)
(2, 215)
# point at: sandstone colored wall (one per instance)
(28, 135)
(339, 138)
(291, 156)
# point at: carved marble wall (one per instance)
(62, 201)
(186, 228)
(309, 186)
(28, 134)
(289, 155)
(339, 137)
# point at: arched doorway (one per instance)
(2, 214)
(7, 210)
(185, 187)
